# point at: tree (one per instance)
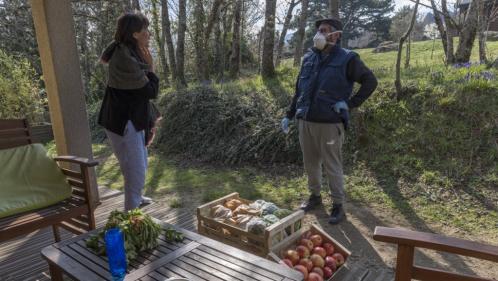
(180, 46)
(334, 8)
(298, 52)
(285, 28)
(400, 49)
(400, 23)
(467, 34)
(235, 57)
(166, 36)
(159, 41)
(200, 52)
(267, 66)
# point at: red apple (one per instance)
(306, 263)
(303, 251)
(307, 243)
(287, 262)
(338, 258)
(302, 269)
(320, 251)
(313, 276)
(329, 248)
(318, 270)
(293, 256)
(317, 240)
(317, 260)
(327, 272)
(331, 263)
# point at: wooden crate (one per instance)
(278, 251)
(238, 237)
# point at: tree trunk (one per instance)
(235, 57)
(166, 36)
(482, 23)
(260, 43)
(400, 50)
(180, 47)
(285, 27)
(298, 52)
(334, 8)
(199, 44)
(467, 35)
(159, 41)
(408, 52)
(441, 28)
(135, 4)
(218, 51)
(450, 33)
(267, 67)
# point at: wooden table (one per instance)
(196, 258)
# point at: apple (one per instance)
(287, 262)
(313, 276)
(318, 270)
(329, 248)
(320, 251)
(302, 269)
(317, 240)
(293, 256)
(338, 258)
(331, 263)
(303, 251)
(317, 260)
(307, 243)
(327, 272)
(306, 263)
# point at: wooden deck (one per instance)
(20, 258)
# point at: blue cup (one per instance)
(116, 255)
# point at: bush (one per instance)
(20, 92)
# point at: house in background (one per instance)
(492, 8)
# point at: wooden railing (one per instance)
(408, 240)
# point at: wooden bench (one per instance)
(75, 214)
(409, 240)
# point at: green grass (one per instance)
(429, 157)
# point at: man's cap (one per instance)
(335, 23)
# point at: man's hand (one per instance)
(285, 125)
(338, 106)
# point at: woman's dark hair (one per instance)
(128, 24)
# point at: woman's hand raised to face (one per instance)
(145, 52)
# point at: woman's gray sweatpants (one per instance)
(321, 143)
(132, 157)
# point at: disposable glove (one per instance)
(340, 105)
(285, 125)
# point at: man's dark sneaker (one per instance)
(313, 202)
(337, 214)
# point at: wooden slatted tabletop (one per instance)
(195, 258)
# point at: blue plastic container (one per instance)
(114, 246)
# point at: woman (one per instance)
(126, 113)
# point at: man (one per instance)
(321, 105)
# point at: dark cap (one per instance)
(335, 23)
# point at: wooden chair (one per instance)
(75, 214)
(409, 240)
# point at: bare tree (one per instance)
(334, 8)
(159, 41)
(166, 36)
(467, 34)
(267, 66)
(440, 26)
(180, 47)
(235, 57)
(198, 39)
(298, 52)
(451, 30)
(400, 50)
(285, 27)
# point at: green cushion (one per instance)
(29, 180)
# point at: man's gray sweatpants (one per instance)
(132, 157)
(321, 143)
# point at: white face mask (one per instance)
(320, 40)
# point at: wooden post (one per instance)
(54, 26)
(404, 263)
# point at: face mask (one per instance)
(320, 41)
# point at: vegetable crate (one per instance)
(277, 252)
(260, 245)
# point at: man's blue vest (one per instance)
(322, 83)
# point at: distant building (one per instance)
(463, 5)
